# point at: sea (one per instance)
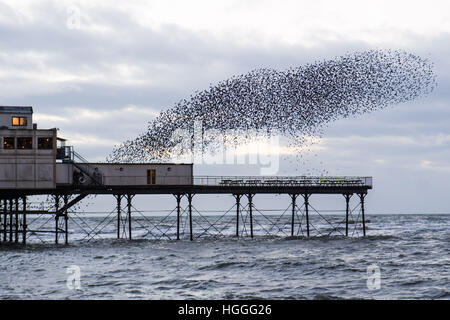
(403, 256)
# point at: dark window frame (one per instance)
(45, 145)
(22, 121)
(5, 139)
(24, 143)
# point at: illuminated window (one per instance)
(45, 143)
(151, 176)
(19, 121)
(24, 143)
(8, 143)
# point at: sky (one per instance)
(101, 70)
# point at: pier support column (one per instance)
(1, 212)
(190, 195)
(10, 220)
(178, 197)
(16, 233)
(129, 198)
(238, 212)
(24, 220)
(119, 208)
(347, 211)
(5, 211)
(306, 197)
(293, 198)
(362, 196)
(56, 218)
(250, 208)
(66, 220)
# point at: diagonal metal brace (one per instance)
(80, 197)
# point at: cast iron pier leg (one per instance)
(24, 220)
(10, 220)
(129, 197)
(293, 197)
(1, 212)
(56, 218)
(16, 233)
(190, 215)
(362, 196)
(119, 198)
(178, 197)
(5, 210)
(238, 205)
(66, 219)
(250, 206)
(306, 196)
(347, 211)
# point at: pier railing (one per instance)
(248, 219)
(282, 181)
(257, 181)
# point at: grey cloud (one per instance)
(176, 62)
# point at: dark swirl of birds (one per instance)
(294, 103)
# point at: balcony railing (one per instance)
(257, 181)
(307, 181)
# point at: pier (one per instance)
(299, 192)
(37, 162)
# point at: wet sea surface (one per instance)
(410, 253)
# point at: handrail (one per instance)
(86, 168)
(308, 181)
(80, 157)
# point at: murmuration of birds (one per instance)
(297, 103)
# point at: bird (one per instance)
(296, 103)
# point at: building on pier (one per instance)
(27, 154)
(32, 158)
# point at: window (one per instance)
(45, 143)
(24, 143)
(151, 176)
(8, 143)
(19, 121)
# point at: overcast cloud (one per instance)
(99, 71)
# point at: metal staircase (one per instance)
(68, 155)
(86, 168)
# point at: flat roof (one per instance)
(16, 109)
